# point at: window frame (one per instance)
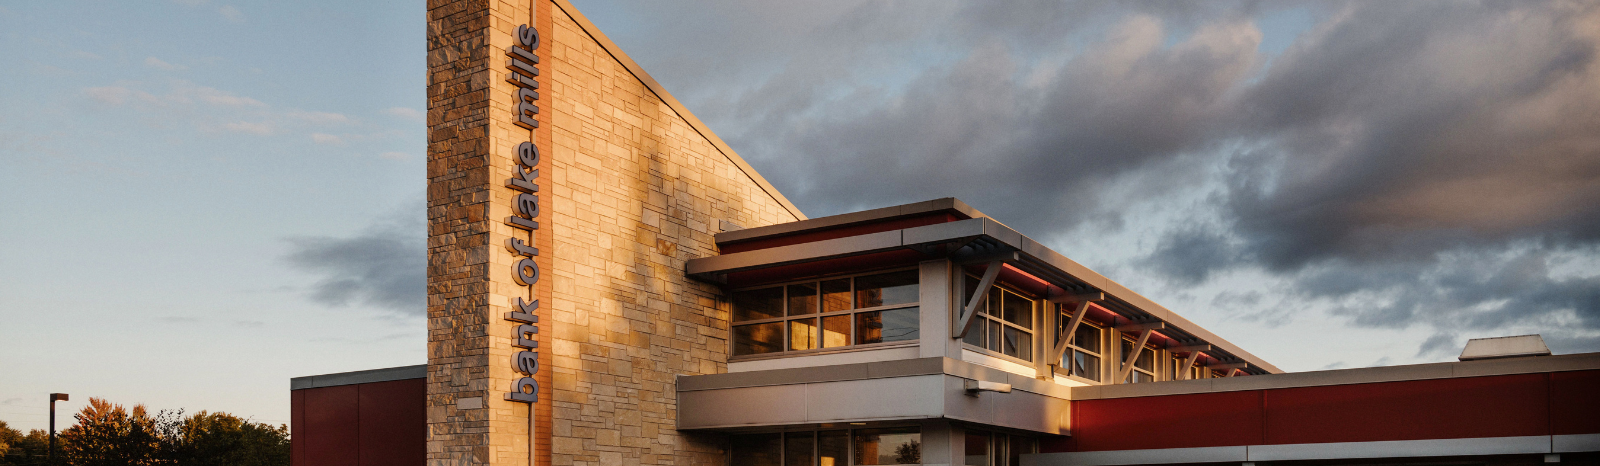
(1064, 315)
(1034, 316)
(785, 318)
(816, 442)
(1156, 356)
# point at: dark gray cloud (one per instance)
(1400, 163)
(384, 266)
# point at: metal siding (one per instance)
(394, 423)
(331, 421)
(1501, 406)
(1574, 405)
(1178, 421)
(297, 428)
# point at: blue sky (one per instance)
(206, 198)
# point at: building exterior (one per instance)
(610, 284)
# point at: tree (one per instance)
(108, 435)
(18, 450)
(225, 439)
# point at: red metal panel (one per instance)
(1499, 406)
(297, 428)
(1179, 421)
(331, 423)
(931, 218)
(394, 423)
(1575, 403)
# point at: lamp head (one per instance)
(58, 397)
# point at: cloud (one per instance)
(320, 138)
(115, 95)
(384, 266)
(1398, 165)
(321, 118)
(157, 63)
(218, 97)
(405, 112)
(261, 129)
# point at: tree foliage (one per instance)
(108, 434)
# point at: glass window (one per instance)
(797, 449)
(1087, 338)
(764, 303)
(785, 318)
(836, 295)
(802, 299)
(1017, 310)
(758, 338)
(1020, 446)
(891, 325)
(1083, 357)
(757, 450)
(1085, 365)
(888, 446)
(977, 449)
(1005, 324)
(803, 334)
(835, 331)
(1143, 366)
(833, 448)
(886, 289)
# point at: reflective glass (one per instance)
(1019, 446)
(836, 295)
(977, 449)
(975, 333)
(886, 289)
(1019, 344)
(757, 450)
(764, 303)
(797, 449)
(1017, 310)
(833, 448)
(803, 334)
(835, 331)
(1085, 365)
(758, 338)
(994, 336)
(802, 299)
(888, 446)
(1087, 337)
(884, 326)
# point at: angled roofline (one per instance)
(683, 112)
(978, 230)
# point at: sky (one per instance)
(205, 198)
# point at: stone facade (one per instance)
(631, 187)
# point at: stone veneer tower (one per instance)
(631, 186)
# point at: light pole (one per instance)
(54, 397)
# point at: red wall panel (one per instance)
(394, 423)
(1499, 406)
(1178, 421)
(1575, 402)
(297, 446)
(331, 419)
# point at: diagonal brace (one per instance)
(1138, 347)
(1184, 372)
(971, 309)
(1066, 334)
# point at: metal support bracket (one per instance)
(1060, 350)
(1138, 347)
(964, 321)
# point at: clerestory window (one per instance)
(829, 313)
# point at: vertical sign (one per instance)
(522, 72)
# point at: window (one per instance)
(876, 308)
(1083, 357)
(1004, 323)
(829, 448)
(992, 449)
(1143, 368)
(1176, 370)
